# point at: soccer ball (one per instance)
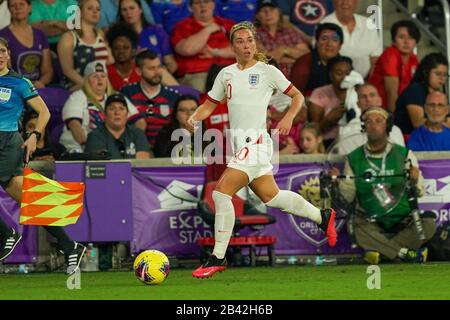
(151, 267)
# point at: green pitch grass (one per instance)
(427, 281)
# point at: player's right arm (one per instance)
(214, 97)
(202, 112)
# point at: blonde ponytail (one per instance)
(259, 56)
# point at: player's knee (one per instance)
(220, 188)
(221, 199)
(271, 199)
(267, 197)
(218, 194)
(223, 187)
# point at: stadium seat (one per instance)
(183, 89)
(244, 218)
(54, 98)
(56, 132)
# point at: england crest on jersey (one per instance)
(5, 94)
(253, 79)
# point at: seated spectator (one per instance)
(311, 139)
(166, 146)
(5, 14)
(361, 43)
(109, 16)
(350, 135)
(51, 17)
(123, 40)
(236, 10)
(433, 135)
(383, 226)
(154, 101)
(201, 41)
(81, 46)
(327, 103)
(310, 71)
(431, 75)
(396, 66)
(283, 44)
(278, 106)
(84, 110)
(306, 15)
(168, 13)
(151, 37)
(115, 136)
(30, 54)
(45, 148)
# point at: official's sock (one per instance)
(402, 253)
(223, 224)
(64, 242)
(295, 204)
(5, 230)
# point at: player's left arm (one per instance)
(43, 117)
(297, 102)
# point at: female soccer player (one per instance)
(248, 85)
(15, 91)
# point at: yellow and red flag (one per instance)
(47, 202)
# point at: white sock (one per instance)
(402, 253)
(295, 204)
(223, 224)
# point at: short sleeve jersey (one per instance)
(248, 93)
(15, 91)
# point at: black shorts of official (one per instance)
(11, 157)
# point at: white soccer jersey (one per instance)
(248, 93)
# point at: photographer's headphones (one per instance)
(389, 118)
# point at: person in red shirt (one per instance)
(397, 65)
(123, 40)
(201, 41)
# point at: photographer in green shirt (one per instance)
(383, 225)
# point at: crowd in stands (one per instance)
(161, 56)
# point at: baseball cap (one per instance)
(116, 97)
(94, 66)
(266, 3)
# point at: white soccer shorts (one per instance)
(254, 157)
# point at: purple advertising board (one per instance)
(168, 223)
(166, 218)
(161, 202)
(436, 196)
(107, 214)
